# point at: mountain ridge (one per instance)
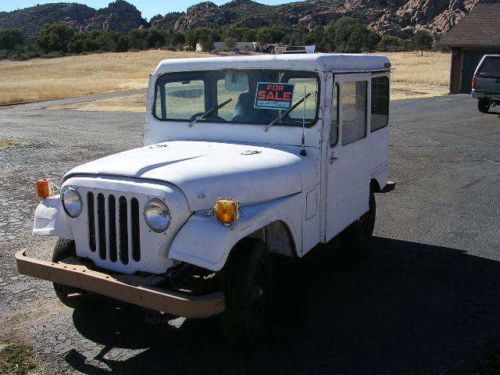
(399, 18)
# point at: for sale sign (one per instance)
(274, 95)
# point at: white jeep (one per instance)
(243, 158)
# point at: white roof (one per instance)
(326, 62)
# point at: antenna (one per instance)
(303, 151)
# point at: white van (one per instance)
(243, 158)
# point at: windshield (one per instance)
(238, 96)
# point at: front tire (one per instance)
(69, 296)
(483, 106)
(248, 281)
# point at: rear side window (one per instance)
(353, 111)
(490, 67)
(380, 103)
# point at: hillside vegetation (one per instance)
(400, 18)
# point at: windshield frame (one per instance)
(309, 124)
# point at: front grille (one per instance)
(114, 227)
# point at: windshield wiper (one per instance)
(284, 114)
(209, 112)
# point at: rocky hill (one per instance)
(118, 16)
(391, 17)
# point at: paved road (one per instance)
(424, 300)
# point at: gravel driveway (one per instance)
(426, 299)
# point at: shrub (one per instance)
(348, 35)
(421, 41)
(55, 38)
(11, 39)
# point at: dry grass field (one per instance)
(42, 79)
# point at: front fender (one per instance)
(205, 242)
(51, 220)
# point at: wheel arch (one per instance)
(205, 242)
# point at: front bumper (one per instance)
(136, 290)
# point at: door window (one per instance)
(354, 96)
(334, 131)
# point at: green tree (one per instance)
(177, 39)
(270, 34)
(191, 41)
(389, 43)
(55, 38)
(230, 43)
(348, 35)
(207, 42)
(421, 41)
(11, 39)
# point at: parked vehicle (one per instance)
(486, 83)
(244, 158)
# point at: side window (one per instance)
(353, 111)
(380, 103)
(182, 100)
(334, 131)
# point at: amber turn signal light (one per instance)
(44, 188)
(227, 211)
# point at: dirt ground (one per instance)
(424, 299)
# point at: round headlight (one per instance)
(72, 202)
(157, 215)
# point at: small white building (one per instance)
(221, 46)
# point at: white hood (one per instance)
(207, 171)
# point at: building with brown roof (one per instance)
(475, 35)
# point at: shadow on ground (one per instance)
(406, 307)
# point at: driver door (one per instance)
(347, 167)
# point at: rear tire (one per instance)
(357, 236)
(69, 296)
(248, 281)
(483, 105)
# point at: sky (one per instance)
(149, 8)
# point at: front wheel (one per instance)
(248, 292)
(483, 106)
(69, 296)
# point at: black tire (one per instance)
(357, 236)
(483, 106)
(248, 284)
(69, 296)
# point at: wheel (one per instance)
(248, 284)
(357, 236)
(483, 106)
(71, 297)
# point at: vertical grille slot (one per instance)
(136, 231)
(123, 230)
(101, 222)
(91, 208)
(113, 253)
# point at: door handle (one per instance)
(332, 158)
